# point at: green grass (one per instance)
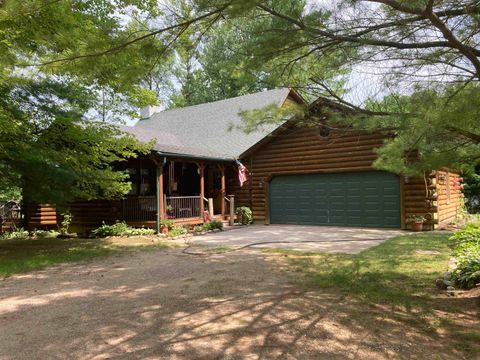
(395, 281)
(394, 272)
(21, 255)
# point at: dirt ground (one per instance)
(169, 305)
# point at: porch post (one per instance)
(222, 190)
(160, 196)
(201, 167)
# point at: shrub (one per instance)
(138, 231)
(471, 234)
(467, 254)
(121, 229)
(212, 225)
(245, 215)
(168, 223)
(67, 220)
(177, 231)
(17, 234)
(467, 273)
(43, 234)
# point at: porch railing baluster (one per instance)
(144, 208)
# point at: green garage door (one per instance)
(364, 199)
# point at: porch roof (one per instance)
(208, 130)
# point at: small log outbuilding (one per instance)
(296, 175)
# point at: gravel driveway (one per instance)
(299, 237)
(170, 305)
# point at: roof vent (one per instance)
(147, 111)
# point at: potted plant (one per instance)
(416, 221)
(244, 215)
(165, 226)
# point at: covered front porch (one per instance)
(184, 191)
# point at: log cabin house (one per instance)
(296, 175)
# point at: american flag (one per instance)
(242, 173)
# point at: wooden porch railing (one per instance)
(182, 207)
(144, 208)
(140, 208)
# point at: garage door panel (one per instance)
(348, 199)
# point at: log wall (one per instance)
(304, 151)
(41, 216)
(450, 196)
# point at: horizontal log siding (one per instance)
(88, 215)
(41, 216)
(448, 208)
(304, 151)
(414, 201)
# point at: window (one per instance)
(324, 131)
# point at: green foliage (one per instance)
(467, 254)
(469, 235)
(177, 231)
(212, 225)
(50, 144)
(471, 189)
(240, 54)
(412, 218)
(17, 234)
(42, 234)
(467, 272)
(13, 193)
(120, 229)
(65, 224)
(168, 223)
(431, 113)
(432, 128)
(245, 214)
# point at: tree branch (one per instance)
(182, 25)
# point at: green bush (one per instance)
(67, 220)
(467, 254)
(17, 234)
(467, 273)
(212, 225)
(471, 234)
(245, 215)
(169, 223)
(120, 229)
(177, 231)
(43, 234)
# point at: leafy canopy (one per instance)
(51, 72)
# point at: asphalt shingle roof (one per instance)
(207, 130)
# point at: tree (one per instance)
(218, 64)
(426, 49)
(49, 145)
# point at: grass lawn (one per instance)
(22, 255)
(395, 281)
